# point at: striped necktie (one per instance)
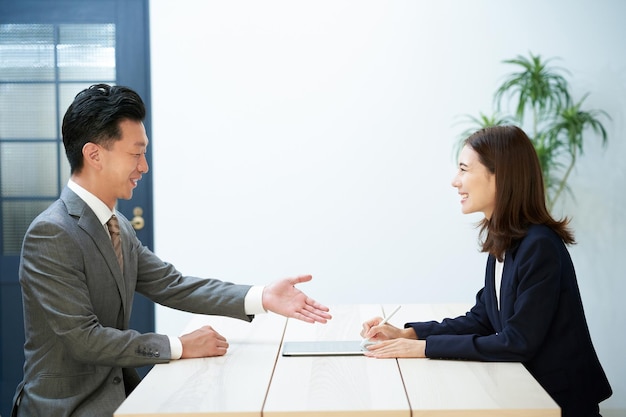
(114, 230)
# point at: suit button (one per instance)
(156, 354)
(117, 380)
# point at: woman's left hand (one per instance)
(397, 348)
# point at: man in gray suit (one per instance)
(77, 291)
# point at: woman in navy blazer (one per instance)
(530, 309)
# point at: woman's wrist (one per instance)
(409, 333)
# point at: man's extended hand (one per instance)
(282, 297)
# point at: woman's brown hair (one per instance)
(507, 152)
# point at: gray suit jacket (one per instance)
(77, 306)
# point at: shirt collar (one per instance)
(101, 210)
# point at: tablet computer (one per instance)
(323, 348)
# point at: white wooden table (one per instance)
(253, 379)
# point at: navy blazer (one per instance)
(540, 323)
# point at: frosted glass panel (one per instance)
(41, 176)
(42, 68)
(16, 217)
(27, 111)
(27, 52)
(86, 52)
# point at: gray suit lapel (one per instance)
(88, 221)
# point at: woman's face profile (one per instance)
(476, 185)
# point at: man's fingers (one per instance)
(311, 303)
(301, 278)
(311, 316)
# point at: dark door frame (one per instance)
(131, 18)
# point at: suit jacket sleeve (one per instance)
(515, 331)
(164, 284)
(474, 321)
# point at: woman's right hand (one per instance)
(374, 332)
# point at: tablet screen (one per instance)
(323, 348)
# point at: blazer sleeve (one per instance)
(164, 284)
(529, 309)
(474, 321)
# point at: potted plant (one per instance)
(556, 123)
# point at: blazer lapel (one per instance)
(88, 221)
(491, 300)
(507, 291)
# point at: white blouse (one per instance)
(498, 279)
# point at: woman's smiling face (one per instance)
(476, 185)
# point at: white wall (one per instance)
(317, 137)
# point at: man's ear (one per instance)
(91, 155)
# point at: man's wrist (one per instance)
(176, 347)
(253, 302)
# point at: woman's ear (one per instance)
(91, 155)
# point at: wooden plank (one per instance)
(234, 384)
(340, 386)
(450, 388)
(335, 385)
